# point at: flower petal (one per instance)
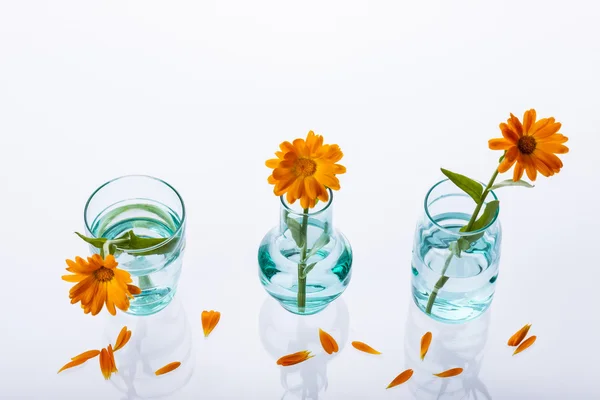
(552, 161)
(295, 358)
(86, 355)
(500, 144)
(515, 125)
(525, 344)
(518, 171)
(400, 379)
(528, 120)
(518, 337)
(509, 159)
(167, 368)
(425, 342)
(364, 347)
(549, 129)
(529, 167)
(449, 373)
(134, 289)
(72, 364)
(123, 338)
(328, 342)
(210, 319)
(552, 147)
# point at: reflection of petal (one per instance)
(453, 346)
(156, 341)
(282, 333)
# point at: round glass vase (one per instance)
(466, 289)
(151, 208)
(304, 263)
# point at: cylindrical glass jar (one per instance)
(305, 275)
(151, 208)
(471, 277)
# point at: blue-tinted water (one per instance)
(158, 274)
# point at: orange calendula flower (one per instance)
(364, 347)
(328, 342)
(425, 342)
(531, 146)
(167, 368)
(210, 319)
(450, 373)
(293, 359)
(80, 359)
(305, 169)
(123, 338)
(400, 379)
(518, 337)
(107, 362)
(99, 282)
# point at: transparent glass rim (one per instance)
(448, 230)
(172, 237)
(310, 214)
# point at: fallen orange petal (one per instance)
(425, 342)
(210, 319)
(518, 337)
(525, 344)
(328, 342)
(72, 364)
(123, 338)
(105, 365)
(167, 368)
(364, 347)
(86, 355)
(295, 358)
(450, 373)
(400, 379)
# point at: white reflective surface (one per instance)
(200, 93)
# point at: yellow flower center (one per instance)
(526, 144)
(305, 167)
(104, 274)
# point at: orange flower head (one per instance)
(531, 146)
(305, 169)
(99, 282)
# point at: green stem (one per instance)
(443, 279)
(302, 264)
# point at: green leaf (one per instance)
(510, 182)
(489, 213)
(307, 269)
(96, 242)
(467, 185)
(296, 230)
(139, 243)
(321, 242)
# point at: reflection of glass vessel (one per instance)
(283, 333)
(328, 258)
(150, 208)
(156, 340)
(453, 346)
(472, 277)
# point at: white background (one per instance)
(200, 93)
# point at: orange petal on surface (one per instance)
(86, 355)
(518, 337)
(525, 344)
(210, 319)
(105, 364)
(72, 364)
(425, 342)
(400, 379)
(364, 347)
(123, 338)
(328, 342)
(295, 358)
(167, 368)
(450, 373)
